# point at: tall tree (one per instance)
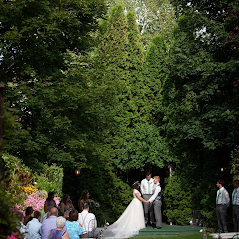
(200, 101)
(46, 100)
(146, 146)
(35, 34)
(153, 17)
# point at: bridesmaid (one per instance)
(49, 201)
(84, 197)
(66, 203)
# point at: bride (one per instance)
(132, 219)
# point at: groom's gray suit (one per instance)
(157, 203)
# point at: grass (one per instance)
(192, 236)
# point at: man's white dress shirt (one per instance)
(87, 220)
(147, 187)
(222, 197)
(235, 196)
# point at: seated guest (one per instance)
(67, 213)
(28, 215)
(49, 201)
(34, 227)
(22, 228)
(46, 215)
(49, 223)
(73, 227)
(88, 222)
(58, 232)
(66, 203)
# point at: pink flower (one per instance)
(57, 200)
(35, 200)
(14, 235)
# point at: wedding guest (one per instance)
(66, 203)
(84, 197)
(222, 202)
(49, 201)
(235, 205)
(28, 215)
(59, 232)
(49, 223)
(22, 228)
(88, 222)
(34, 227)
(67, 213)
(46, 215)
(73, 227)
(147, 187)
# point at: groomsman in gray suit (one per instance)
(157, 203)
(147, 187)
(235, 205)
(222, 202)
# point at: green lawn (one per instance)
(192, 236)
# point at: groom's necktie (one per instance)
(148, 187)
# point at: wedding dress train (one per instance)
(129, 223)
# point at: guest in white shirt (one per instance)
(222, 202)
(34, 227)
(147, 187)
(235, 205)
(88, 222)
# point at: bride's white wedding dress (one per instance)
(129, 223)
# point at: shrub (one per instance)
(177, 202)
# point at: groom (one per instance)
(157, 203)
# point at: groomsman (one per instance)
(222, 202)
(147, 187)
(235, 205)
(156, 199)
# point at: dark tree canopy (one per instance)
(35, 34)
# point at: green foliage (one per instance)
(177, 202)
(146, 148)
(104, 187)
(35, 34)
(155, 73)
(18, 175)
(200, 101)
(51, 180)
(153, 17)
(8, 222)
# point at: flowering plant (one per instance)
(28, 189)
(14, 235)
(35, 200)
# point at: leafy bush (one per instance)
(7, 220)
(51, 180)
(177, 202)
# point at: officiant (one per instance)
(147, 187)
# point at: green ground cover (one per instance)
(192, 236)
(174, 231)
